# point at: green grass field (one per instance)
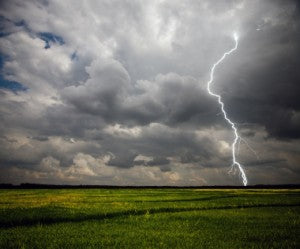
(149, 218)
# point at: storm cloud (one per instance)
(114, 92)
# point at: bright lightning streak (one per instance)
(236, 135)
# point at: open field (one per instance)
(149, 218)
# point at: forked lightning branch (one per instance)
(235, 163)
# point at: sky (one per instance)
(114, 92)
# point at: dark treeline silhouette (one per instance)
(52, 186)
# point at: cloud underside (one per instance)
(115, 92)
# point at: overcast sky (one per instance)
(114, 92)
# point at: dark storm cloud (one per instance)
(118, 95)
(160, 142)
(264, 86)
(169, 99)
(158, 161)
(266, 161)
(123, 161)
(40, 138)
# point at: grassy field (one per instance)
(149, 218)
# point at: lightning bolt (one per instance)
(237, 138)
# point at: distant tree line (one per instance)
(64, 186)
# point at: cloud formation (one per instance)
(114, 92)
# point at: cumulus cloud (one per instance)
(114, 91)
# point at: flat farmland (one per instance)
(150, 218)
